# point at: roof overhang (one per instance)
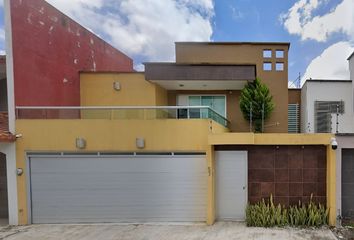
(172, 76)
(5, 135)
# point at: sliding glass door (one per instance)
(217, 103)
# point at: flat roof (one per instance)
(327, 80)
(195, 64)
(108, 72)
(234, 43)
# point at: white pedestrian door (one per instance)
(231, 185)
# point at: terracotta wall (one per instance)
(49, 50)
(290, 173)
(294, 96)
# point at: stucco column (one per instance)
(331, 184)
(211, 185)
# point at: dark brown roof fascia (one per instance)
(234, 43)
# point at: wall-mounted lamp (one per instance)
(80, 143)
(19, 171)
(140, 143)
(116, 86)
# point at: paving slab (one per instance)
(219, 231)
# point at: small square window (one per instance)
(267, 66)
(279, 66)
(279, 53)
(267, 53)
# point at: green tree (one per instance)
(255, 97)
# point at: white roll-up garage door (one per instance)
(136, 188)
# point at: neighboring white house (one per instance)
(321, 101)
(351, 70)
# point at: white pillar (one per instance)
(10, 148)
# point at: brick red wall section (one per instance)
(50, 49)
(289, 173)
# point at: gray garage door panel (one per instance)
(118, 189)
(348, 183)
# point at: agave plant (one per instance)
(266, 214)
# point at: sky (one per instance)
(321, 32)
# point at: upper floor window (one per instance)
(323, 114)
(267, 53)
(279, 53)
(279, 66)
(267, 66)
(215, 102)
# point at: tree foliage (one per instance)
(253, 96)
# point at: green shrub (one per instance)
(266, 214)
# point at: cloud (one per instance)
(2, 34)
(146, 29)
(236, 14)
(300, 20)
(331, 64)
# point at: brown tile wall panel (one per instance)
(290, 173)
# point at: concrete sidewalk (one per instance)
(219, 231)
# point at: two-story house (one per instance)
(170, 143)
(327, 107)
(165, 145)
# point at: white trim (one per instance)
(9, 66)
(10, 149)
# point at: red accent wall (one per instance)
(49, 50)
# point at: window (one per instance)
(323, 114)
(215, 102)
(279, 66)
(267, 66)
(279, 53)
(267, 53)
(293, 118)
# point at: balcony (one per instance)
(121, 113)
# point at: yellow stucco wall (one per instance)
(107, 135)
(160, 135)
(96, 89)
(331, 185)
